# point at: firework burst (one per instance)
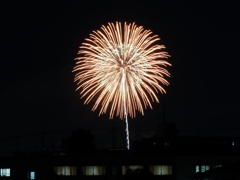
(123, 67)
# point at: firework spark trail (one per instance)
(123, 67)
(125, 109)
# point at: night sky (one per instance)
(40, 40)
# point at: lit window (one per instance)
(5, 172)
(203, 168)
(32, 175)
(93, 170)
(217, 166)
(161, 170)
(65, 170)
(131, 168)
(233, 143)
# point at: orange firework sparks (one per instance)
(123, 67)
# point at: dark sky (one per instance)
(40, 41)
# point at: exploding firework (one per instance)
(123, 67)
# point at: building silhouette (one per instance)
(166, 156)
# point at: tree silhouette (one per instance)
(81, 142)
